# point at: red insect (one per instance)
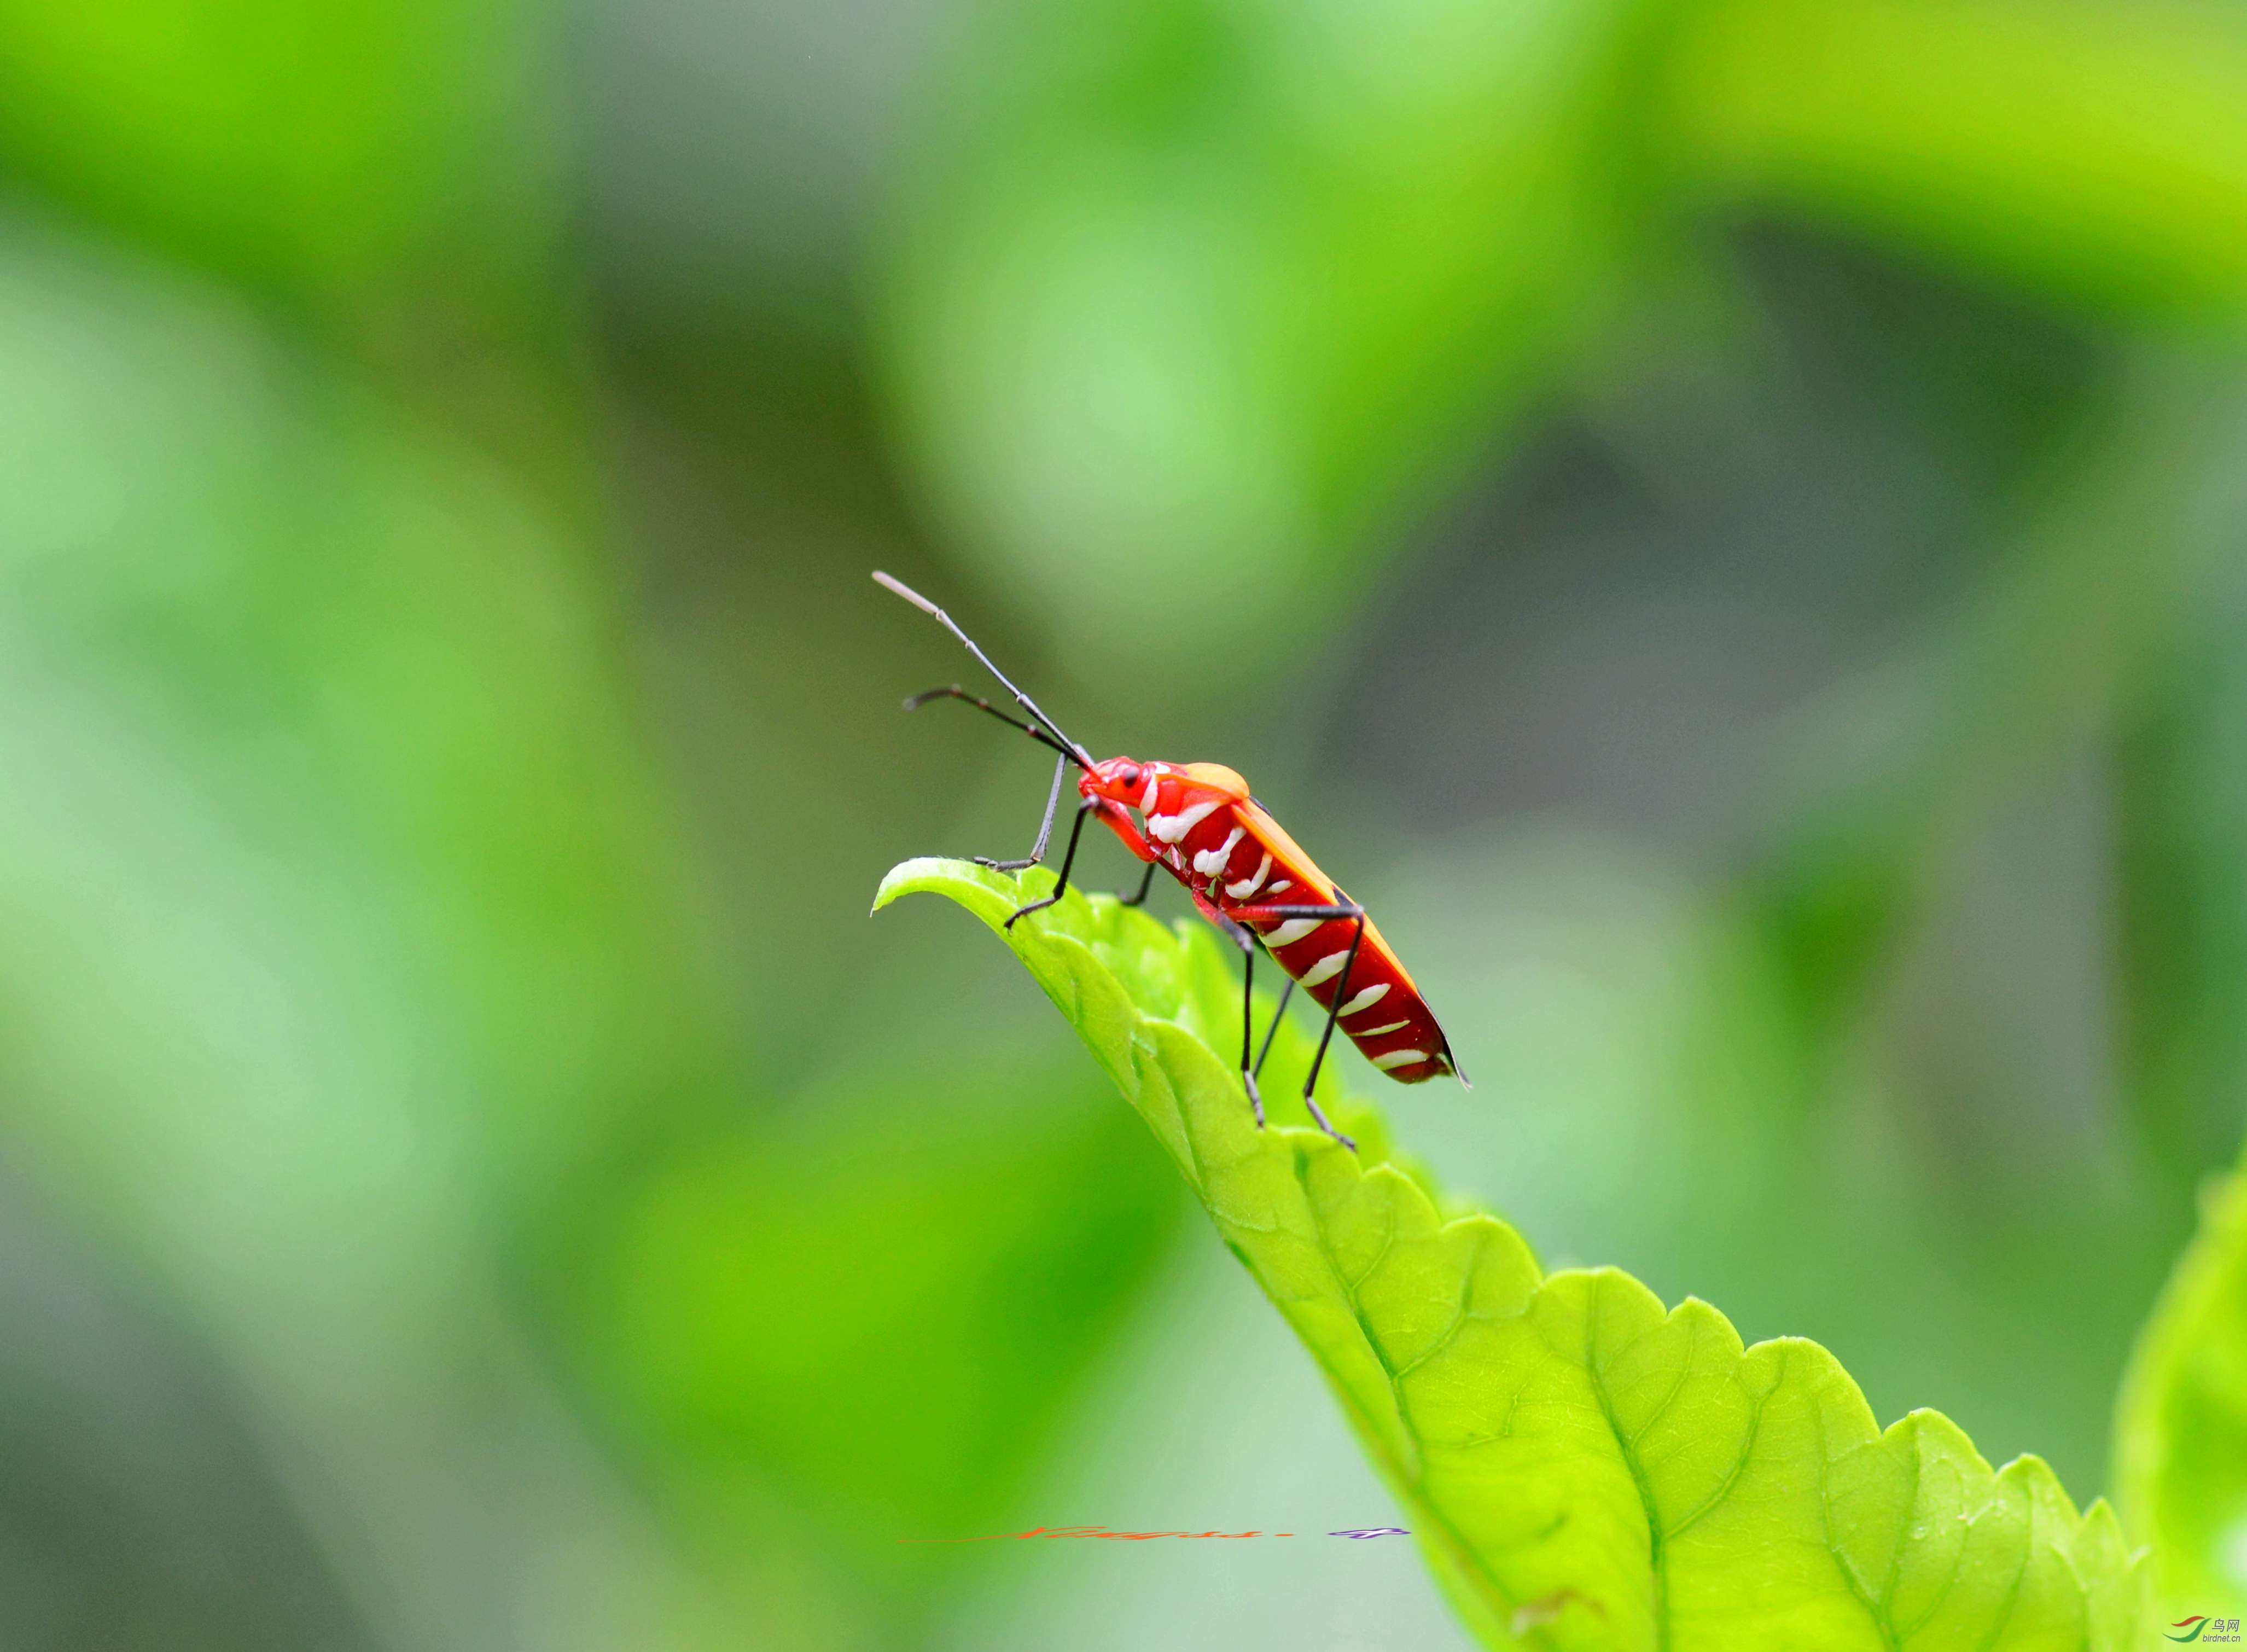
(1198, 822)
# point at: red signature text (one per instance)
(1142, 1537)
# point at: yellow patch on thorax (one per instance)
(1216, 776)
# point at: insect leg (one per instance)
(1334, 1009)
(1247, 942)
(1045, 827)
(1245, 938)
(1068, 859)
(1344, 908)
(1278, 1012)
(1146, 882)
(1119, 819)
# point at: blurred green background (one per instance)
(1720, 519)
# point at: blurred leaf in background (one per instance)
(879, 1308)
(352, 966)
(2090, 154)
(2181, 1456)
(1184, 296)
(330, 154)
(310, 756)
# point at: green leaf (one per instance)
(2180, 1432)
(1583, 1469)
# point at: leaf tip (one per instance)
(907, 877)
(987, 894)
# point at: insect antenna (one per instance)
(953, 691)
(1069, 749)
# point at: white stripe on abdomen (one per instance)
(1211, 862)
(1171, 828)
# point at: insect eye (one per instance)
(1128, 776)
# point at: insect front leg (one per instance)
(1045, 827)
(1068, 860)
(1119, 821)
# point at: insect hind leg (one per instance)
(1319, 1119)
(1278, 1014)
(1345, 909)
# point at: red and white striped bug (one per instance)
(1199, 823)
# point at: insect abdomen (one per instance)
(1219, 846)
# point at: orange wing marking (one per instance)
(1288, 855)
(1318, 889)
